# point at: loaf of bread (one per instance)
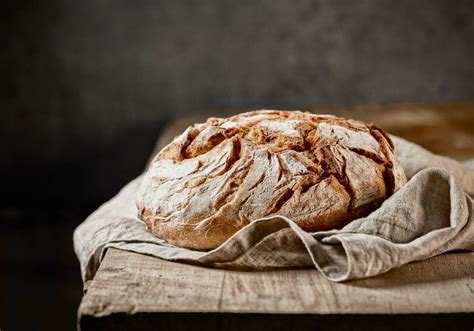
(215, 178)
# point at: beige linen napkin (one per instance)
(430, 215)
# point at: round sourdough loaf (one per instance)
(320, 171)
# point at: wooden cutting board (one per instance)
(132, 291)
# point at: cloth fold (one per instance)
(430, 215)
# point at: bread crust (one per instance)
(320, 171)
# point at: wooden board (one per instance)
(134, 291)
(129, 283)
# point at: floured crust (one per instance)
(320, 171)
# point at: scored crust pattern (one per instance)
(320, 171)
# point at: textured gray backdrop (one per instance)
(86, 85)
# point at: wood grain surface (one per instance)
(130, 285)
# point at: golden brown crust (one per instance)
(320, 171)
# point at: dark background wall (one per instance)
(86, 86)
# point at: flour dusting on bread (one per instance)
(320, 171)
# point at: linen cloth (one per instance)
(431, 214)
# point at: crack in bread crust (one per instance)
(319, 170)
